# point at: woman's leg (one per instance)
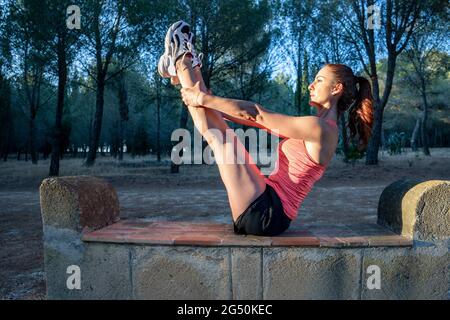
(243, 181)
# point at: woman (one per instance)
(260, 205)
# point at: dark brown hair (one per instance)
(357, 98)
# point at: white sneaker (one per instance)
(178, 42)
(197, 59)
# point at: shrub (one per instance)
(396, 142)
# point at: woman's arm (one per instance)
(249, 124)
(238, 120)
(308, 128)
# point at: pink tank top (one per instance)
(295, 174)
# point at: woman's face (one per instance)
(323, 90)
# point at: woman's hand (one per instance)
(192, 96)
(174, 81)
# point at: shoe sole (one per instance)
(167, 42)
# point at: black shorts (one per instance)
(264, 217)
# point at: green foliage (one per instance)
(395, 142)
(354, 153)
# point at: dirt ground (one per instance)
(146, 189)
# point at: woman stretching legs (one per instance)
(259, 205)
(243, 182)
(254, 206)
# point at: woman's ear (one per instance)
(338, 89)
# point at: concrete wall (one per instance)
(125, 271)
(110, 271)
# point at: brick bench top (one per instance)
(220, 234)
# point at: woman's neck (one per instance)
(328, 113)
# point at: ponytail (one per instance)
(360, 119)
(358, 100)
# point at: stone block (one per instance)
(160, 272)
(310, 273)
(416, 209)
(62, 248)
(104, 268)
(408, 273)
(246, 273)
(106, 272)
(80, 203)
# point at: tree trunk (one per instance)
(102, 64)
(97, 127)
(33, 102)
(298, 86)
(423, 125)
(114, 151)
(121, 140)
(123, 105)
(298, 91)
(393, 34)
(375, 141)
(306, 108)
(33, 152)
(415, 135)
(74, 151)
(62, 80)
(5, 118)
(372, 148)
(435, 144)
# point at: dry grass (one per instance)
(140, 170)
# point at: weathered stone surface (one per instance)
(106, 272)
(433, 210)
(104, 268)
(417, 209)
(408, 273)
(62, 248)
(181, 273)
(246, 273)
(73, 206)
(78, 203)
(309, 273)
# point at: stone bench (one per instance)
(138, 259)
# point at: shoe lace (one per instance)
(187, 42)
